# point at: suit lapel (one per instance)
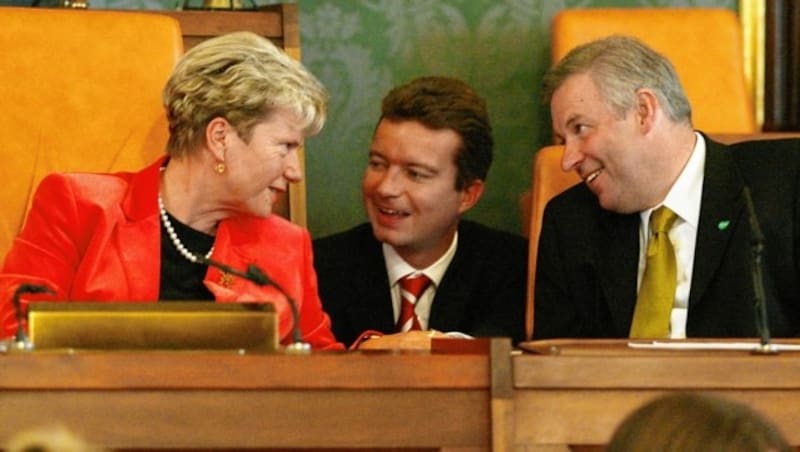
(721, 211)
(371, 288)
(617, 266)
(136, 236)
(450, 304)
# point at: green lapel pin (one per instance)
(723, 225)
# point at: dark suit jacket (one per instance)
(482, 292)
(587, 267)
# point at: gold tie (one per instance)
(657, 291)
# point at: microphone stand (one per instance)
(759, 303)
(22, 342)
(257, 276)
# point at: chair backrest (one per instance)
(704, 44)
(548, 181)
(80, 91)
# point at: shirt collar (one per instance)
(686, 193)
(397, 268)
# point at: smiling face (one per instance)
(409, 189)
(608, 151)
(259, 171)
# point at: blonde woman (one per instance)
(238, 109)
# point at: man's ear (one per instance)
(647, 106)
(217, 131)
(470, 195)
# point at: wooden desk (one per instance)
(374, 401)
(192, 400)
(579, 396)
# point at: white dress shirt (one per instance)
(397, 268)
(684, 199)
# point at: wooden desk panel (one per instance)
(581, 395)
(156, 419)
(156, 400)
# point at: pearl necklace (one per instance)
(191, 257)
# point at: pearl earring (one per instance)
(219, 168)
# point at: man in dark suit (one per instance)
(428, 161)
(625, 122)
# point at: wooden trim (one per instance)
(291, 27)
(782, 66)
(502, 392)
(291, 44)
(54, 370)
(752, 17)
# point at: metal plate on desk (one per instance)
(157, 326)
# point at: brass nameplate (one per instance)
(153, 326)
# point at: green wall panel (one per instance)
(361, 48)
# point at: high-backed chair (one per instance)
(549, 181)
(704, 45)
(80, 91)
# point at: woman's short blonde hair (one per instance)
(243, 78)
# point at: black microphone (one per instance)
(759, 298)
(21, 339)
(257, 276)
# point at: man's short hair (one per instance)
(447, 103)
(619, 66)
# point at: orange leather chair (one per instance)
(548, 181)
(80, 91)
(704, 45)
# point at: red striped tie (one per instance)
(411, 287)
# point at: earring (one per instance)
(219, 168)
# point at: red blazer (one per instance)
(97, 237)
